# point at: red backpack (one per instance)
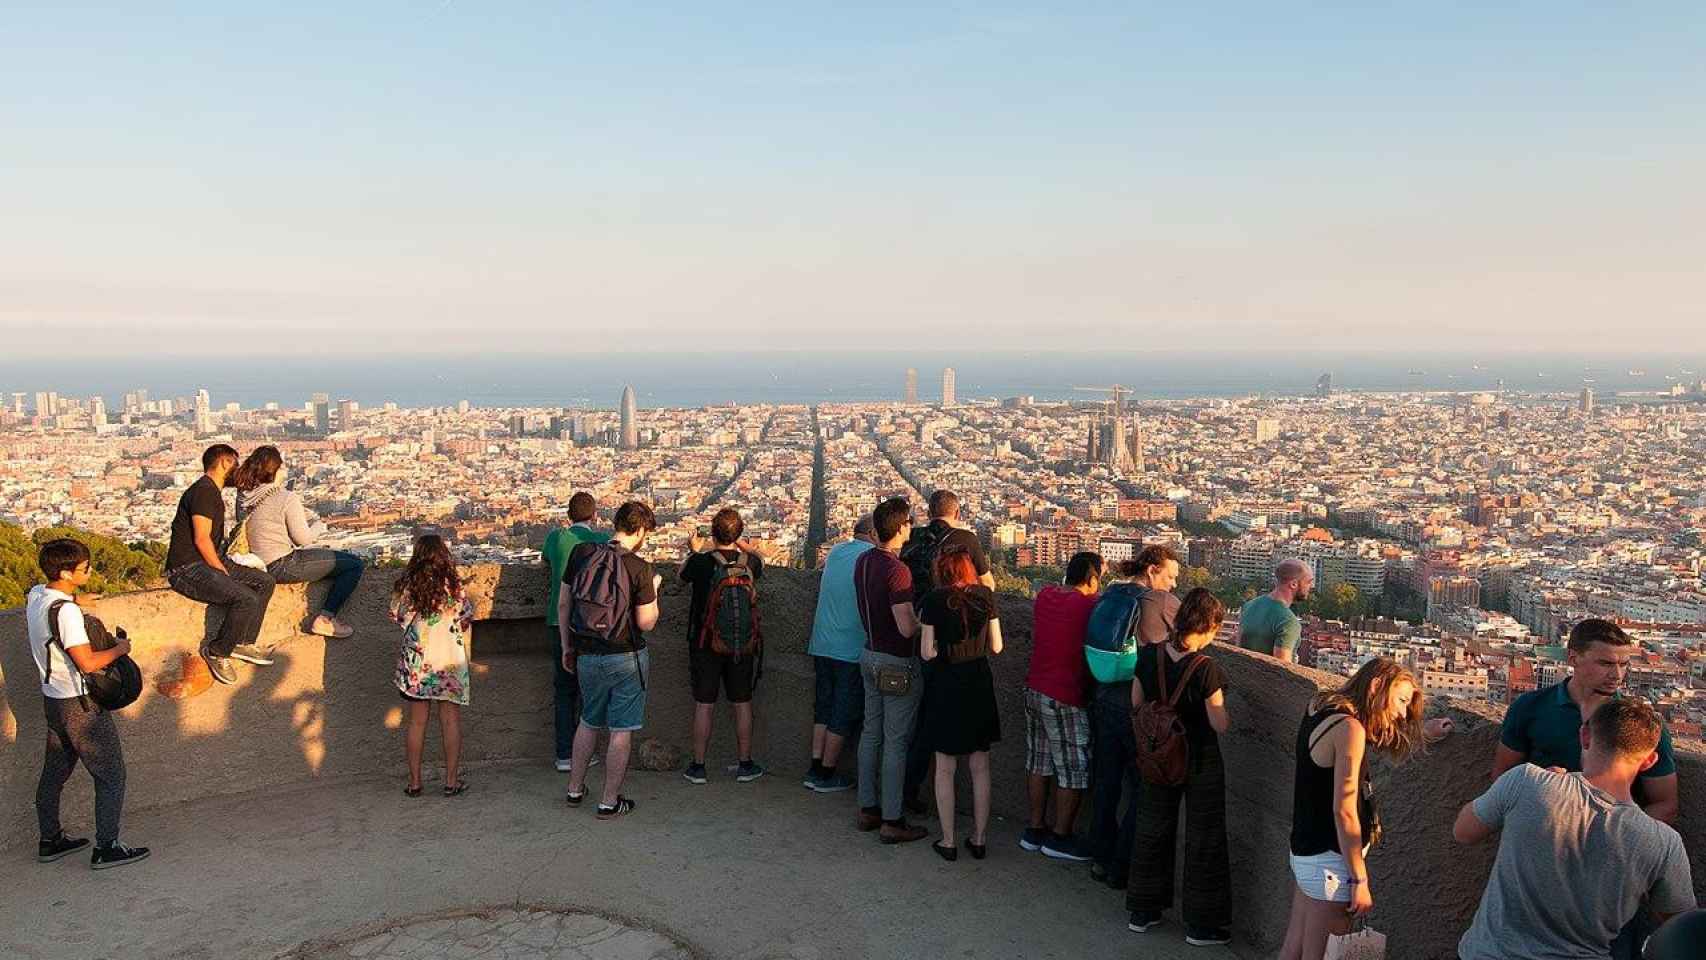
(1163, 752)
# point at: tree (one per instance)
(117, 566)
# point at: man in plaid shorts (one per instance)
(1057, 726)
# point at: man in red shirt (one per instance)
(1057, 726)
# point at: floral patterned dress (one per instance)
(433, 664)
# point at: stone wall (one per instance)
(327, 709)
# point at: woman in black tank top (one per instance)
(1332, 820)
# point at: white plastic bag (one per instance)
(246, 560)
(1364, 944)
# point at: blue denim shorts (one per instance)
(613, 693)
(839, 703)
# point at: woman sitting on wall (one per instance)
(272, 517)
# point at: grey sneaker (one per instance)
(748, 772)
(221, 667)
(251, 653)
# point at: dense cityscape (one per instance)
(1461, 533)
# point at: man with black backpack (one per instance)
(78, 729)
(609, 599)
(922, 547)
(724, 643)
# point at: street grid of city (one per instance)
(1503, 517)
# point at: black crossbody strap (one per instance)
(53, 638)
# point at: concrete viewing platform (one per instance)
(276, 813)
(760, 871)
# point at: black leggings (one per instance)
(1207, 900)
(76, 732)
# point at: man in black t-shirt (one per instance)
(196, 566)
(612, 670)
(706, 668)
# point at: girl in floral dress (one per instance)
(437, 619)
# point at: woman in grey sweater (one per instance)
(280, 534)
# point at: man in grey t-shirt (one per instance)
(1577, 855)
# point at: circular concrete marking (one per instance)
(530, 933)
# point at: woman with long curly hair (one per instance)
(1333, 823)
(437, 618)
(961, 632)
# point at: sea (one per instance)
(665, 379)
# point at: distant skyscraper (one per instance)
(44, 406)
(322, 404)
(1324, 386)
(947, 386)
(911, 386)
(203, 413)
(1137, 464)
(98, 411)
(1267, 430)
(346, 414)
(630, 418)
(1586, 401)
(17, 404)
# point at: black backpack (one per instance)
(113, 687)
(731, 610)
(919, 554)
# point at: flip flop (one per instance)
(411, 791)
(455, 789)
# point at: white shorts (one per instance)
(1323, 876)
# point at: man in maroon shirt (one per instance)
(883, 589)
(1057, 726)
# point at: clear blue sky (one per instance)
(459, 176)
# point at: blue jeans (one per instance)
(565, 696)
(613, 690)
(1113, 773)
(241, 591)
(314, 564)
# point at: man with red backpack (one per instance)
(725, 646)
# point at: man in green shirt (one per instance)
(1266, 624)
(583, 509)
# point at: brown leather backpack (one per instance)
(1163, 752)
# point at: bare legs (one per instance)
(450, 731)
(946, 768)
(702, 714)
(1312, 922)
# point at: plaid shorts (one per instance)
(1057, 741)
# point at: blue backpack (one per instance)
(1110, 638)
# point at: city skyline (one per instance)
(453, 178)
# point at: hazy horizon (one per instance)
(327, 179)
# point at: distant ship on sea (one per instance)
(1637, 373)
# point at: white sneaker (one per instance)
(564, 766)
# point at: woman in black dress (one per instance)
(961, 632)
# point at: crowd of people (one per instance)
(1123, 700)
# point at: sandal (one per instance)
(411, 791)
(455, 789)
(621, 808)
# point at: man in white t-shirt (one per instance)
(77, 728)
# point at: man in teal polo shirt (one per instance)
(1544, 727)
(1266, 624)
(566, 691)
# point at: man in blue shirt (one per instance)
(1544, 727)
(837, 641)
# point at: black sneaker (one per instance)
(221, 667)
(621, 808)
(1208, 936)
(251, 653)
(748, 772)
(116, 854)
(810, 779)
(1033, 838)
(695, 773)
(1142, 920)
(833, 782)
(1057, 847)
(48, 851)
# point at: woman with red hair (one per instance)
(961, 632)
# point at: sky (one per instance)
(440, 177)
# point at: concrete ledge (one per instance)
(328, 708)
